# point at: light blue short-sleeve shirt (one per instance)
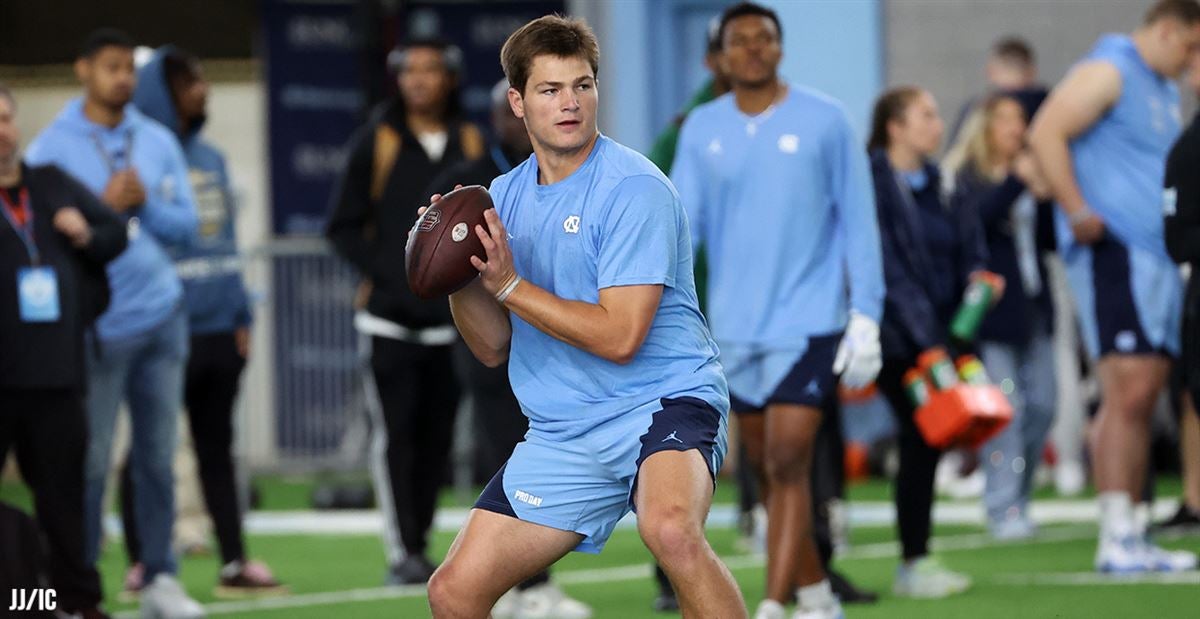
(616, 221)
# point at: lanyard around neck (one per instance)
(20, 216)
(117, 163)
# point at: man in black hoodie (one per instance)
(407, 142)
(55, 238)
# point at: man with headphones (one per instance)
(412, 390)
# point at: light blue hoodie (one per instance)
(210, 267)
(145, 288)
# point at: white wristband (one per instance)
(502, 296)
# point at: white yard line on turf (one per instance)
(880, 550)
(304, 600)
(861, 513)
(1091, 579)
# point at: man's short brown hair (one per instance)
(1013, 50)
(551, 34)
(1186, 11)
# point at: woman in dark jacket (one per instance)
(931, 252)
(412, 389)
(997, 179)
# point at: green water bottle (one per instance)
(976, 302)
(935, 364)
(916, 387)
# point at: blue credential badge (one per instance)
(37, 290)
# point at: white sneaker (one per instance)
(1070, 478)
(1163, 560)
(1125, 554)
(506, 606)
(928, 578)
(547, 601)
(769, 609)
(164, 598)
(829, 612)
(1011, 529)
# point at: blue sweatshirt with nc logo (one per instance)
(209, 267)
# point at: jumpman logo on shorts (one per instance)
(672, 437)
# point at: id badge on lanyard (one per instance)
(37, 285)
(115, 162)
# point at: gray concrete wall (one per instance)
(941, 45)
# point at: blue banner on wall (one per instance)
(313, 87)
(479, 30)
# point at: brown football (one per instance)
(438, 254)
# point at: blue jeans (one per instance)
(1012, 456)
(146, 371)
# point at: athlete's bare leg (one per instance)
(492, 554)
(674, 494)
(792, 555)
(1130, 385)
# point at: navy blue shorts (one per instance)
(809, 382)
(1128, 300)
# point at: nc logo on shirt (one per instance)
(714, 146)
(789, 143)
(1126, 341)
(167, 188)
(1170, 197)
(1158, 115)
(571, 224)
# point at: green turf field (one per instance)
(1035, 579)
(339, 576)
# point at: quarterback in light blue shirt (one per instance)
(587, 290)
(779, 194)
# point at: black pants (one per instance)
(48, 430)
(828, 473)
(913, 490)
(213, 372)
(418, 392)
(498, 421)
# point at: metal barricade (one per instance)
(302, 404)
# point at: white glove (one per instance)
(859, 356)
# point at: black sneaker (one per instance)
(847, 592)
(666, 600)
(1185, 519)
(413, 570)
